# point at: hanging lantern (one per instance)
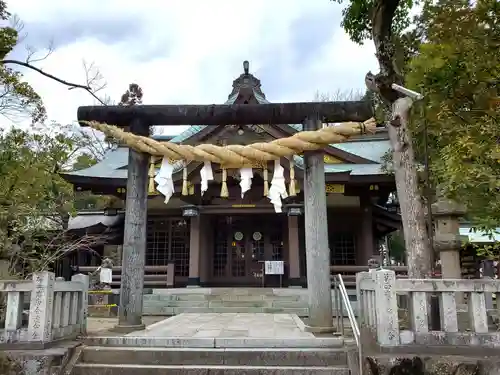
(190, 211)
(294, 209)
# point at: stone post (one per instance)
(41, 306)
(134, 238)
(447, 242)
(83, 302)
(316, 233)
(386, 308)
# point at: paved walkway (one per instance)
(101, 326)
(221, 330)
(228, 325)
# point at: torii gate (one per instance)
(139, 118)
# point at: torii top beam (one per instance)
(221, 114)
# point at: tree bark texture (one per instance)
(134, 239)
(316, 230)
(236, 114)
(412, 211)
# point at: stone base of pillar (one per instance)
(127, 328)
(193, 282)
(304, 327)
(296, 283)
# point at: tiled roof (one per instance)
(355, 169)
(113, 165)
(188, 133)
(371, 149)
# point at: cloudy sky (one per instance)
(189, 51)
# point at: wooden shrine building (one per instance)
(223, 241)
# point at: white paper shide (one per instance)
(277, 191)
(246, 175)
(206, 174)
(164, 179)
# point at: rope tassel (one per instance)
(292, 189)
(185, 190)
(224, 192)
(266, 183)
(151, 174)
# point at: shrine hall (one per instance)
(215, 239)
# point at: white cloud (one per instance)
(189, 51)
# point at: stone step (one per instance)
(255, 297)
(239, 303)
(165, 310)
(223, 297)
(176, 303)
(329, 342)
(100, 369)
(228, 357)
(163, 297)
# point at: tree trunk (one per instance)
(412, 211)
(417, 243)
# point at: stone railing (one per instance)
(57, 310)
(349, 273)
(154, 276)
(381, 321)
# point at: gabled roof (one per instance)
(372, 149)
(113, 165)
(245, 88)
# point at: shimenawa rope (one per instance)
(237, 156)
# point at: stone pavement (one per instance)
(100, 326)
(221, 330)
(227, 325)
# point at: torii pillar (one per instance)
(134, 237)
(319, 284)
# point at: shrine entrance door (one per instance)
(242, 244)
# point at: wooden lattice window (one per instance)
(168, 240)
(258, 248)
(277, 244)
(342, 249)
(220, 253)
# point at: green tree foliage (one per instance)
(458, 70)
(35, 201)
(17, 97)
(448, 52)
(358, 17)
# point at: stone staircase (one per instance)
(122, 360)
(167, 302)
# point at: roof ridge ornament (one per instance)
(246, 81)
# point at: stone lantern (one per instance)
(447, 240)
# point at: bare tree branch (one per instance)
(71, 85)
(32, 51)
